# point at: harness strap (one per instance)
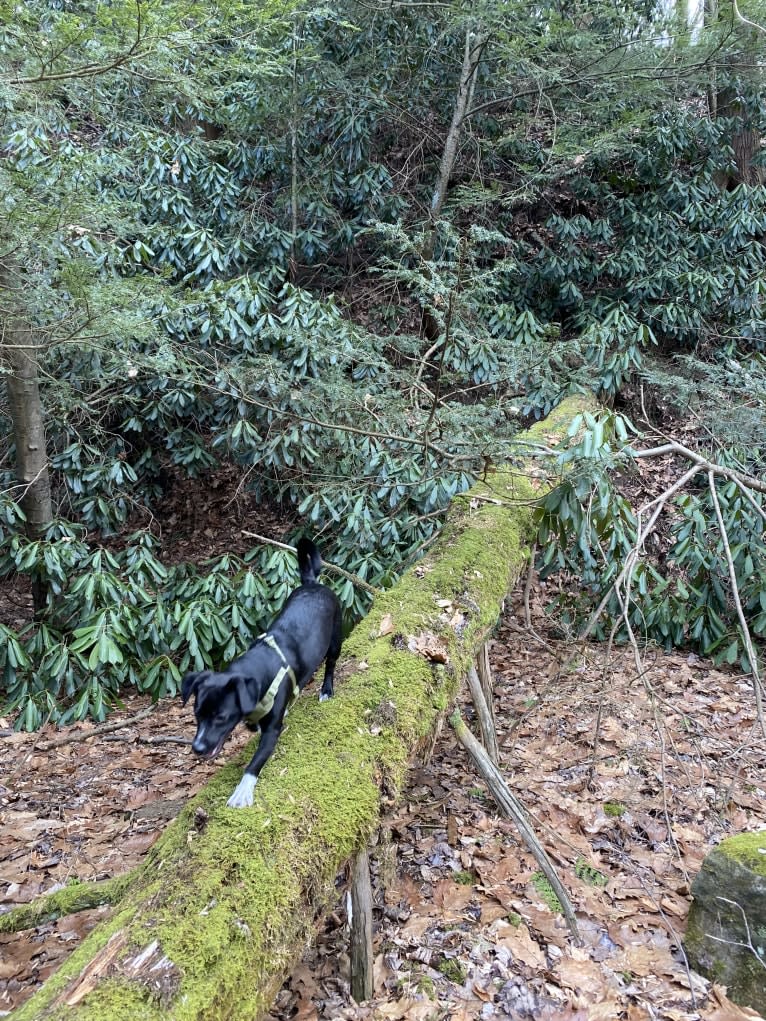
(266, 703)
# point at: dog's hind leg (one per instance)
(331, 659)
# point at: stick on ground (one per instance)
(511, 807)
(484, 716)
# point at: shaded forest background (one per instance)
(331, 261)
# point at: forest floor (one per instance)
(629, 782)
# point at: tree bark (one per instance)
(226, 899)
(725, 102)
(18, 353)
(473, 48)
(361, 928)
(293, 260)
(475, 41)
(484, 716)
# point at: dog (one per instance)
(260, 685)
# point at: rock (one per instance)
(726, 932)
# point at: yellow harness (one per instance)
(266, 703)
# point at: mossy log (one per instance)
(66, 901)
(226, 899)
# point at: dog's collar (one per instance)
(266, 703)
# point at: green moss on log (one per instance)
(726, 929)
(225, 905)
(66, 901)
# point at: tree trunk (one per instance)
(710, 17)
(473, 48)
(18, 353)
(293, 260)
(725, 102)
(227, 898)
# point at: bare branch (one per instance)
(354, 578)
(90, 70)
(746, 21)
(751, 654)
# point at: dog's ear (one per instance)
(190, 683)
(247, 693)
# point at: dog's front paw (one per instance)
(324, 696)
(243, 794)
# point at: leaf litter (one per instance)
(464, 928)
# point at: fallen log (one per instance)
(225, 900)
(67, 901)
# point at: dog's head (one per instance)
(220, 702)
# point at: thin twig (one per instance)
(751, 654)
(642, 534)
(746, 21)
(749, 496)
(642, 673)
(86, 735)
(528, 585)
(728, 473)
(733, 943)
(601, 699)
(157, 739)
(512, 807)
(90, 70)
(354, 578)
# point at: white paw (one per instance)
(243, 794)
(323, 697)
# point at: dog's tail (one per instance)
(309, 561)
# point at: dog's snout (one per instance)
(200, 745)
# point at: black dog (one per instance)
(261, 685)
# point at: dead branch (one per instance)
(486, 723)
(353, 578)
(91, 70)
(642, 534)
(528, 585)
(361, 905)
(484, 670)
(599, 713)
(751, 654)
(511, 807)
(140, 739)
(86, 735)
(68, 901)
(728, 473)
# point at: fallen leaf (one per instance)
(429, 645)
(386, 626)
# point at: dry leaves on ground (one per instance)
(464, 927)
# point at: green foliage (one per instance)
(226, 261)
(546, 892)
(452, 969)
(615, 809)
(589, 874)
(123, 618)
(680, 591)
